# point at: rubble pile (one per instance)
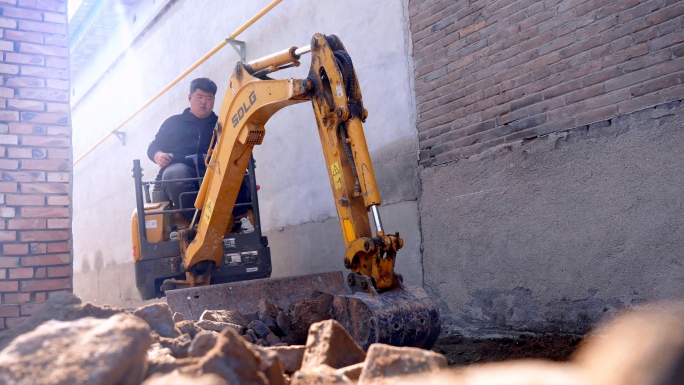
(67, 342)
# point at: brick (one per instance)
(7, 286)
(8, 164)
(8, 261)
(44, 94)
(58, 177)
(25, 200)
(47, 284)
(9, 139)
(45, 117)
(9, 116)
(46, 260)
(22, 81)
(38, 248)
(61, 200)
(47, 50)
(58, 153)
(58, 84)
(14, 322)
(9, 69)
(15, 249)
(41, 272)
(16, 298)
(58, 247)
(44, 188)
(6, 45)
(55, 17)
(45, 141)
(44, 236)
(18, 13)
(7, 212)
(36, 26)
(59, 224)
(42, 72)
(44, 212)
(30, 105)
(654, 85)
(47, 165)
(47, 5)
(23, 176)
(8, 23)
(7, 187)
(28, 309)
(57, 62)
(21, 273)
(58, 107)
(27, 224)
(59, 130)
(31, 37)
(8, 310)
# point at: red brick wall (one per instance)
(35, 156)
(492, 72)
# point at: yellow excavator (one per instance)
(207, 264)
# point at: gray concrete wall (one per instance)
(552, 234)
(297, 209)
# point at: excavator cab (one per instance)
(246, 255)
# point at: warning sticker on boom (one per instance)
(208, 209)
(336, 175)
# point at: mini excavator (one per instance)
(206, 260)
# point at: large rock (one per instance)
(85, 351)
(290, 356)
(60, 306)
(184, 379)
(227, 316)
(307, 313)
(641, 347)
(202, 343)
(271, 366)
(389, 362)
(160, 319)
(330, 344)
(178, 346)
(233, 359)
(217, 326)
(188, 327)
(260, 329)
(321, 375)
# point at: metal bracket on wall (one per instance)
(121, 136)
(240, 47)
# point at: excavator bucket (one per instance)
(404, 316)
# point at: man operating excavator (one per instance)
(184, 135)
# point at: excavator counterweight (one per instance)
(371, 302)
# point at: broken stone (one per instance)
(352, 372)
(262, 342)
(184, 379)
(321, 375)
(61, 307)
(158, 316)
(178, 346)
(330, 344)
(273, 339)
(290, 356)
(234, 360)
(248, 338)
(202, 343)
(284, 322)
(642, 346)
(188, 327)
(389, 362)
(159, 354)
(85, 351)
(306, 313)
(251, 333)
(271, 366)
(218, 326)
(260, 329)
(226, 316)
(178, 317)
(270, 322)
(267, 308)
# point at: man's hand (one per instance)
(162, 158)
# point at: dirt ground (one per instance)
(464, 351)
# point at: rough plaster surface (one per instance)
(295, 193)
(552, 234)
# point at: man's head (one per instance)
(202, 92)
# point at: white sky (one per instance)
(72, 6)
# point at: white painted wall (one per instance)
(295, 191)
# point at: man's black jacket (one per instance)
(183, 135)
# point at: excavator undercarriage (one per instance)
(371, 302)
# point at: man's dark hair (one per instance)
(204, 84)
